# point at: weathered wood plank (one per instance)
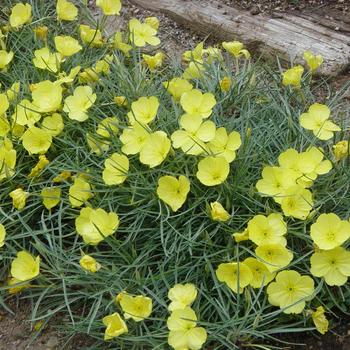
(287, 37)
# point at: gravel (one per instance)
(270, 6)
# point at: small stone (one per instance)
(277, 15)
(18, 333)
(52, 342)
(255, 10)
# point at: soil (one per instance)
(18, 333)
(269, 6)
(337, 338)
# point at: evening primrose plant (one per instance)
(160, 205)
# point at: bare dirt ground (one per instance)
(269, 6)
(17, 333)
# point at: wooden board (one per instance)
(287, 37)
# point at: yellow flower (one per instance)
(320, 320)
(313, 61)
(116, 169)
(38, 326)
(42, 162)
(136, 307)
(218, 212)
(212, 171)
(275, 181)
(5, 58)
(144, 110)
(90, 36)
(119, 44)
(333, 265)
(316, 120)
(2, 235)
(307, 165)
(25, 267)
(173, 191)
(41, 32)
(213, 54)
(44, 59)
(97, 144)
(4, 126)
(36, 141)
(261, 275)
(62, 177)
(154, 61)
(329, 231)
(88, 75)
(53, 124)
(142, 34)
(17, 285)
(78, 104)
(197, 104)
(223, 145)
(275, 256)
(4, 104)
(109, 7)
(68, 79)
(108, 127)
(115, 326)
(26, 114)
(267, 229)
(7, 159)
(134, 138)
(194, 70)
(177, 87)
(155, 149)
(94, 225)
(17, 130)
(297, 202)
(235, 275)
(20, 14)
(290, 291)
(88, 263)
(66, 45)
(79, 192)
(47, 96)
(235, 48)
(193, 135)
(181, 296)
(225, 84)
(241, 236)
(103, 66)
(66, 11)
(13, 91)
(19, 198)
(183, 331)
(152, 22)
(51, 196)
(341, 150)
(120, 101)
(293, 76)
(195, 55)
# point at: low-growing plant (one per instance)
(153, 204)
